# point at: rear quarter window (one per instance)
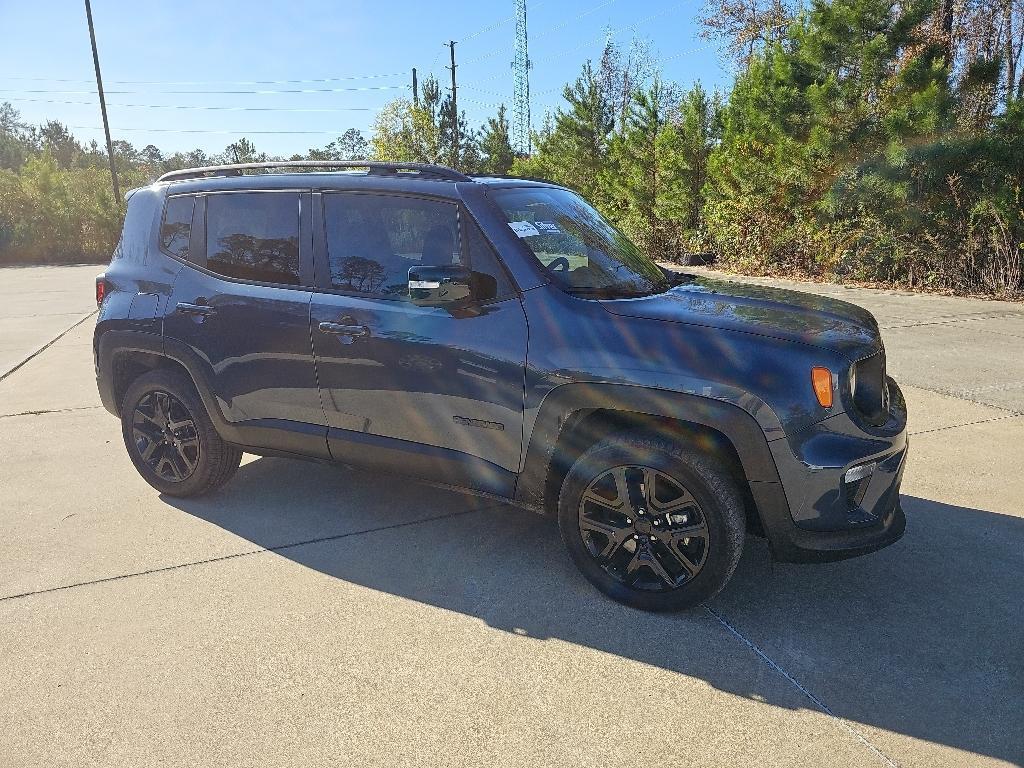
(176, 228)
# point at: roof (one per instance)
(304, 175)
(372, 168)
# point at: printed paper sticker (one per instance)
(524, 228)
(547, 227)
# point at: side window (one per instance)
(482, 258)
(177, 225)
(254, 236)
(372, 240)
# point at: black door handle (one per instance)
(195, 309)
(345, 330)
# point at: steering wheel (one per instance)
(561, 264)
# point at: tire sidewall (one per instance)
(182, 390)
(716, 496)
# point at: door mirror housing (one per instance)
(448, 284)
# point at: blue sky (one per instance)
(169, 53)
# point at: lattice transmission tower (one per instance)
(521, 92)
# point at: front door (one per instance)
(422, 391)
(241, 306)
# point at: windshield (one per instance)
(583, 252)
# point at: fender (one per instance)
(261, 435)
(736, 424)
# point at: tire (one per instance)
(198, 461)
(661, 527)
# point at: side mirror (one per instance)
(442, 286)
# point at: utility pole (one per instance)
(455, 111)
(415, 89)
(103, 106)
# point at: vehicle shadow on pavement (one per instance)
(922, 639)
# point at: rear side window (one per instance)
(373, 240)
(177, 225)
(254, 236)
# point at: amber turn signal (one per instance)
(821, 380)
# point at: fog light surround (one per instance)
(853, 474)
(856, 481)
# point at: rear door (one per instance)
(423, 391)
(241, 304)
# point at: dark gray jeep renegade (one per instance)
(496, 335)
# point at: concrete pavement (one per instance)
(312, 615)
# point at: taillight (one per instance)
(102, 289)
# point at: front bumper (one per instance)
(841, 481)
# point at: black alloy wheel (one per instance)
(643, 528)
(653, 521)
(165, 436)
(170, 437)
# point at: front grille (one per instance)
(870, 393)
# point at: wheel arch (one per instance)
(123, 356)
(574, 416)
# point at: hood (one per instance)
(788, 315)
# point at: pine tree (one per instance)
(575, 151)
(646, 182)
(495, 145)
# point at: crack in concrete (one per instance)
(247, 553)
(45, 314)
(960, 319)
(47, 345)
(961, 396)
(796, 684)
(50, 410)
(966, 424)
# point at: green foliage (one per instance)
(495, 145)
(646, 182)
(846, 153)
(575, 151)
(50, 214)
(861, 140)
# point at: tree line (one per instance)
(860, 140)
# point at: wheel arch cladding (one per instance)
(574, 416)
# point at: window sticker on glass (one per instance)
(547, 227)
(524, 228)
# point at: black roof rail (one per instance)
(373, 167)
(510, 177)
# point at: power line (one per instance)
(203, 130)
(209, 82)
(495, 25)
(483, 30)
(488, 28)
(584, 44)
(489, 104)
(544, 32)
(484, 90)
(214, 93)
(604, 35)
(577, 17)
(203, 107)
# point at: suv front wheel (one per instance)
(651, 523)
(170, 438)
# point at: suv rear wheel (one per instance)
(651, 523)
(170, 437)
